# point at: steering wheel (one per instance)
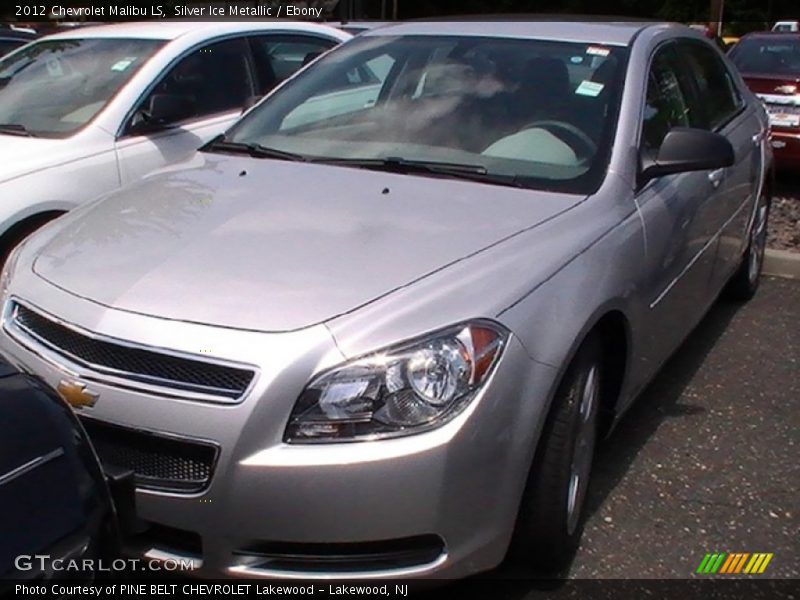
(575, 138)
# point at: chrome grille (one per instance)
(785, 109)
(158, 462)
(133, 363)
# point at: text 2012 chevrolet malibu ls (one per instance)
(377, 328)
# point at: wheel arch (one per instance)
(613, 329)
(612, 325)
(20, 228)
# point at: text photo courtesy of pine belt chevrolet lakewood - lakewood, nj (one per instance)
(282, 302)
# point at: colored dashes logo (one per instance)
(736, 563)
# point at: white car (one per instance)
(85, 112)
(786, 26)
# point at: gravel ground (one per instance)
(784, 218)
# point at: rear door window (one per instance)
(278, 57)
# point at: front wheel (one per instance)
(550, 520)
(744, 283)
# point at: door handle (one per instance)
(715, 177)
(758, 138)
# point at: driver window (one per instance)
(666, 105)
(213, 79)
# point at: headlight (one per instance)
(404, 390)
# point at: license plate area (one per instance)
(783, 115)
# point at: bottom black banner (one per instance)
(477, 588)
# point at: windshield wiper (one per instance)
(251, 149)
(470, 172)
(14, 129)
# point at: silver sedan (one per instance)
(378, 327)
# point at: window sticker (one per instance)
(598, 51)
(123, 64)
(589, 88)
(54, 67)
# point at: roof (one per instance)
(606, 32)
(171, 30)
(359, 25)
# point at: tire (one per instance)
(550, 520)
(744, 283)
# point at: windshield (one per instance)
(542, 113)
(768, 56)
(54, 87)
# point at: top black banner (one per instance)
(206, 11)
(756, 12)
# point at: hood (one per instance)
(772, 83)
(272, 245)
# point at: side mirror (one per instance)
(169, 108)
(686, 149)
(162, 111)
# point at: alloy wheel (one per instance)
(584, 448)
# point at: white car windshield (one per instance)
(54, 87)
(540, 114)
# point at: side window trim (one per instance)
(122, 131)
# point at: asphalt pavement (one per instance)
(708, 459)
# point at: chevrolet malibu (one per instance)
(377, 328)
(86, 111)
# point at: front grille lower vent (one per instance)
(158, 462)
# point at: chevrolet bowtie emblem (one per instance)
(76, 395)
(786, 89)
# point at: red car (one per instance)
(770, 64)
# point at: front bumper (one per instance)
(456, 488)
